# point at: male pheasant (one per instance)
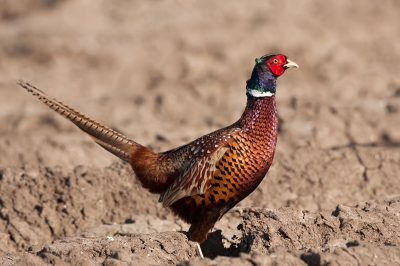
(204, 179)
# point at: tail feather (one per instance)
(109, 139)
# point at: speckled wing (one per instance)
(195, 179)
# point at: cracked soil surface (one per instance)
(166, 72)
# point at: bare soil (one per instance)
(166, 72)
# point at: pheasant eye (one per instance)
(275, 61)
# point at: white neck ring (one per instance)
(258, 94)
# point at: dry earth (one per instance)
(166, 72)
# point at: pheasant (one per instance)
(202, 180)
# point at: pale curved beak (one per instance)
(290, 64)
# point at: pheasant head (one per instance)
(267, 69)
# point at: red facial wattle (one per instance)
(276, 63)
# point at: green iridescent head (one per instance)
(267, 69)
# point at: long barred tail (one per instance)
(112, 141)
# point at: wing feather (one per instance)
(196, 178)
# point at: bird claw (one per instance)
(199, 251)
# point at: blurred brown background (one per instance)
(166, 72)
